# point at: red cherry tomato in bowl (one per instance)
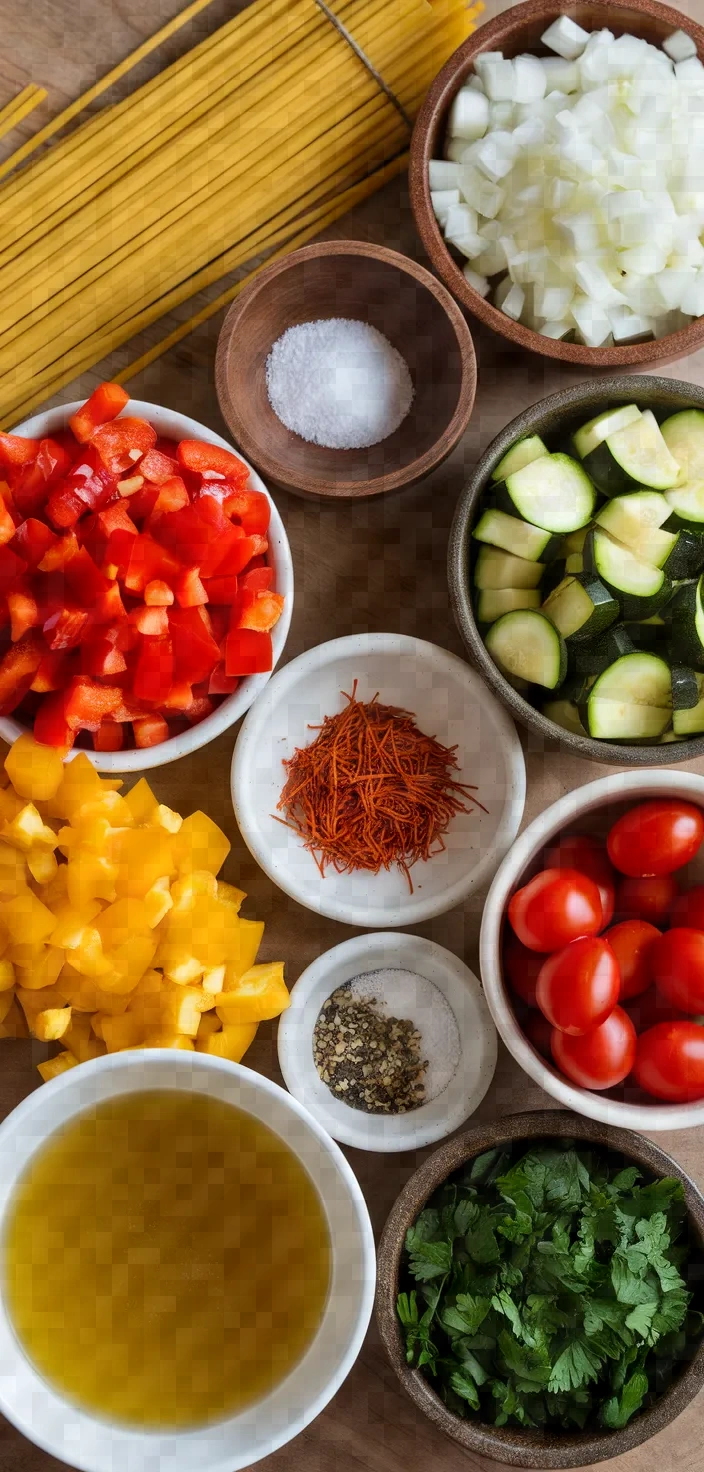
(646, 899)
(601, 1058)
(578, 986)
(688, 909)
(669, 1061)
(677, 964)
(650, 1008)
(588, 856)
(522, 967)
(555, 907)
(631, 942)
(655, 838)
(539, 1032)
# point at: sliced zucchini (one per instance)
(528, 645)
(492, 602)
(648, 633)
(687, 556)
(512, 535)
(686, 505)
(632, 700)
(574, 541)
(687, 633)
(641, 589)
(596, 656)
(621, 518)
(668, 737)
(614, 720)
(689, 720)
(586, 439)
(521, 454)
(685, 687)
(565, 714)
(634, 456)
(581, 607)
(574, 563)
(497, 569)
(683, 434)
(576, 688)
(553, 492)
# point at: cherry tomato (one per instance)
(670, 1061)
(588, 856)
(655, 837)
(677, 966)
(522, 967)
(555, 907)
(688, 908)
(646, 899)
(578, 986)
(630, 942)
(539, 1032)
(600, 1059)
(650, 1008)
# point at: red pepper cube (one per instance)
(65, 628)
(122, 443)
(84, 579)
(199, 708)
(252, 509)
(179, 698)
(118, 553)
(260, 610)
(221, 591)
(54, 672)
(105, 403)
(158, 594)
(24, 612)
(116, 517)
(87, 703)
(7, 525)
(157, 467)
(50, 725)
(15, 449)
(154, 670)
(190, 591)
(100, 656)
(150, 730)
(151, 621)
(197, 456)
(32, 539)
(239, 555)
(18, 667)
(258, 579)
(248, 652)
(196, 652)
(221, 683)
(194, 537)
(109, 736)
(109, 608)
(61, 551)
(147, 561)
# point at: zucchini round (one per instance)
(687, 632)
(685, 687)
(521, 454)
(641, 589)
(586, 439)
(683, 434)
(553, 492)
(564, 713)
(632, 700)
(492, 602)
(527, 644)
(595, 656)
(634, 456)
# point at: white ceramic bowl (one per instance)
(592, 808)
(178, 426)
(477, 1038)
(449, 701)
(94, 1445)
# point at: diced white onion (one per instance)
(469, 115)
(679, 46)
(565, 37)
(477, 282)
(627, 326)
(443, 174)
(441, 200)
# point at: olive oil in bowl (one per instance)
(166, 1260)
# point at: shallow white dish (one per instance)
(179, 427)
(449, 701)
(93, 1445)
(592, 808)
(460, 988)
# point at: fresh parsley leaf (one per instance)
(578, 1364)
(641, 1317)
(463, 1385)
(482, 1245)
(467, 1314)
(617, 1411)
(428, 1260)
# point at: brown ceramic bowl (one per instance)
(348, 278)
(514, 1445)
(554, 419)
(517, 30)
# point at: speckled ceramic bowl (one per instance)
(512, 1445)
(554, 419)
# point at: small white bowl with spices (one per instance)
(389, 1018)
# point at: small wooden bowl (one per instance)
(515, 31)
(514, 1445)
(347, 278)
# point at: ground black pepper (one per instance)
(371, 1061)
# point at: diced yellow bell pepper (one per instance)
(42, 865)
(90, 877)
(26, 919)
(52, 1024)
(158, 901)
(141, 801)
(28, 830)
(15, 1024)
(35, 771)
(174, 1008)
(54, 1067)
(89, 958)
(214, 980)
(168, 1039)
(55, 893)
(127, 964)
(70, 923)
(80, 784)
(230, 895)
(85, 835)
(209, 1023)
(121, 920)
(33, 1002)
(200, 844)
(122, 1032)
(13, 871)
(179, 965)
(259, 995)
(10, 804)
(86, 996)
(80, 1040)
(152, 981)
(110, 807)
(231, 1043)
(163, 817)
(249, 937)
(43, 971)
(6, 1000)
(198, 884)
(142, 855)
(7, 976)
(25, 955)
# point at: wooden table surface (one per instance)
(376, 565)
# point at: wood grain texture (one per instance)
(373, 564)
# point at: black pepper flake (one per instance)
(366, 1058)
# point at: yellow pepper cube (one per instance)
(168, 1039)
(87, 834)
(70, 923)
(86, 996)
(88, 957)
(209, 1023)
(141, 801)
(179, 965)
(173, 1008)
(121, 920)
(32, 1003)
(26, 919)
(80, 784)
(198, 884)
(35, 771)
(6, 1000)
(158, 901)
(128, 963)
(259, 995)
(164, 817)
(13, 871)
(52, 1024)
(122, 1032)
(249, 939)
(55, 893)
(142, 855)
(152, 981)
(10, 804)
(42, 971)
(7, 976)
(54, 1067)
(81, 1041)
(15, 1023)
(28, 830)
(214, 980)
(42, 865)
(90, 877)
(109, 808)
(200, 844)
(231, 1043)
(230, 895)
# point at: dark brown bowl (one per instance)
(555, 417)
(513, 1444)
(516, 30)
(348, 278)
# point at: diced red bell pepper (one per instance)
(240, 554)
(87, 703)
(172, 496)
(100, 657)
(199, 708)
(127, 636)
(118, 552)
(18, 667)
(65, 628)
(11, 569)
(196, 537)
(248, 652)
(157, 467)
(148, 560)
(130, 710)
(221, 590)
(154, 670)
(179, 698)
(84, 579)
(50, 724)
(33, 485)
(258, 610)
(105, 403)
(116, 517)
(158, 594)
(195, 650)
(7, 525)
(141, 505)
(190, 591)
(129, 486)
(16, 450)
(258, 579)
(220, 683)
(54, 673)
(150, 730)
(197, 456)
(32, 540)
(88, 487)
(109, 608)
(219, 622)
(251, 508)
(109, 736)
(24, 612)
(61, 551)
(122, 443)
(153, 621)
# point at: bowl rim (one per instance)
(561, 815)
(566, 401)
(414, 908)
(492, 36)
(312, 485)
(233, 706)
(513, 1445)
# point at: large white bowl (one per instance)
(592, 808)
(94, 1445)
(449, 701)
(178, 426)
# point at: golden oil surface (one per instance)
(167, 1260)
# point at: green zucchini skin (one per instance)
(591, 434)
(511, 530)
(564, 713)
(685, 687)
(632, 605)
(595, 656)
(687, 556)
(523, 452)
(687, 631)
(604, 606)
(683, 434)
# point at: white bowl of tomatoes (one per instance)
(592, 950)
(146, 582)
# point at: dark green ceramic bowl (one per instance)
(554, 419)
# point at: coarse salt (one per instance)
(338, 383)
(400, 993)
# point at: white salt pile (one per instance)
(338, 383)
